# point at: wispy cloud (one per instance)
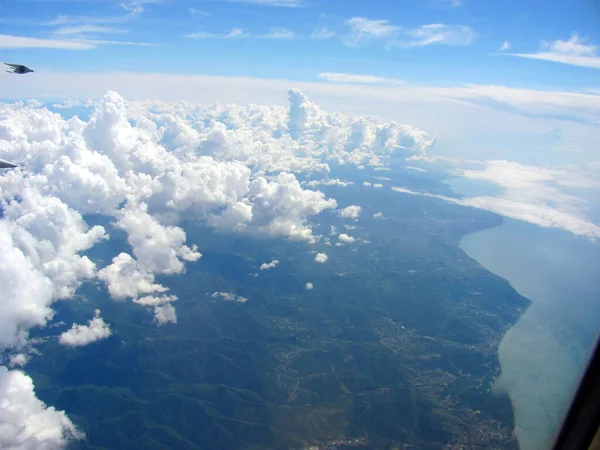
(86, 20)
(10, 41)
(505, 46)
(87, 29)
(279, 33)
(98, 42)
(237, 33)
(435, 33)
(198, 12)
(233, 34)
(576, 52)
(322, 33)
(283, 3)
(363, 29)
(135, 7)
(357, 79)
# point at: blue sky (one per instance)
(433, 42)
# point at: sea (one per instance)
(544, 355)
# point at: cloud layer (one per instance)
(149, 166)
(533, 194)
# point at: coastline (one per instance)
(544, 352)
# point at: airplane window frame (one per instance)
(582, 423)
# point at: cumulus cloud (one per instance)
(124, 279)
(26, 423)
(505, 46)
(80, 335)
(165, 314)
(229, 297)
(378, 215)
(346, 239)
(350, 212)
(309, 286)
(18, 360)
(149, 167)
(157, 248)
(321, 258)
(271, 265)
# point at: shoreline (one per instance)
(543, 354)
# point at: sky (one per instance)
(433, 42)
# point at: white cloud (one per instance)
(26, 423)
(350, 212)
(363, 29)
(321, 258)
(271, 265)
(228, 296)
(233, 34)
(279, 33)
(157, 248)
(346, 239)
(309, 286)
(329, 182)
(377, 185)
(18, 360)
(78, 30)
(236, 33)
(26, 293)
(418, 169)
(357, 79)
(505, 46)
(367, 184)
(322, 33)
(165, 314)
(80, 335)
(378, 215)
(148, 166)
(435, 33)
(9, 41)
(124, 279)
(576, 51)
(151, 300)
(529, 200)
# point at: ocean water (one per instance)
(544, 355)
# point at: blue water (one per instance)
(545, 353)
